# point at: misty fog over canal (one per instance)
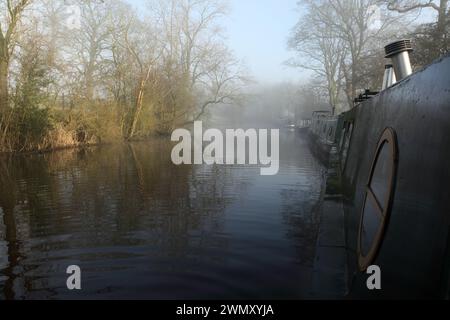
(141, 227)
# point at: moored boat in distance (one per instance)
(303, 125)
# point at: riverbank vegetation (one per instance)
(91, 71)
(81, 72)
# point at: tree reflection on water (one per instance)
(141, 227)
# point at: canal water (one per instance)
(140, 227)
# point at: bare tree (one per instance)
(221, 83)
(145, 60)
(134, 55)
(202, 72)
(441, 7)
(349, 23)
(319, 50)
(134, 76)
(120, 69)
(14, 10)
(89, 44)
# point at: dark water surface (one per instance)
(140, 227)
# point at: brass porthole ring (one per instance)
(388, 139)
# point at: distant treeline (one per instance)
(90, 71)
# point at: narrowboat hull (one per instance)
(413, 252)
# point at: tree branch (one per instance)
(394, 5)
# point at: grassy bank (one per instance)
(39, 130)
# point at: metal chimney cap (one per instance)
(398, 47)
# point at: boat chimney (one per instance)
(389, 76)
(398, 52)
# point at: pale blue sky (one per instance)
(257, 32)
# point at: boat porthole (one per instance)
(378, 199)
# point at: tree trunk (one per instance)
(89, 87)
(137, 109)
(3, 86)
(442, 25)
(139, 101)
